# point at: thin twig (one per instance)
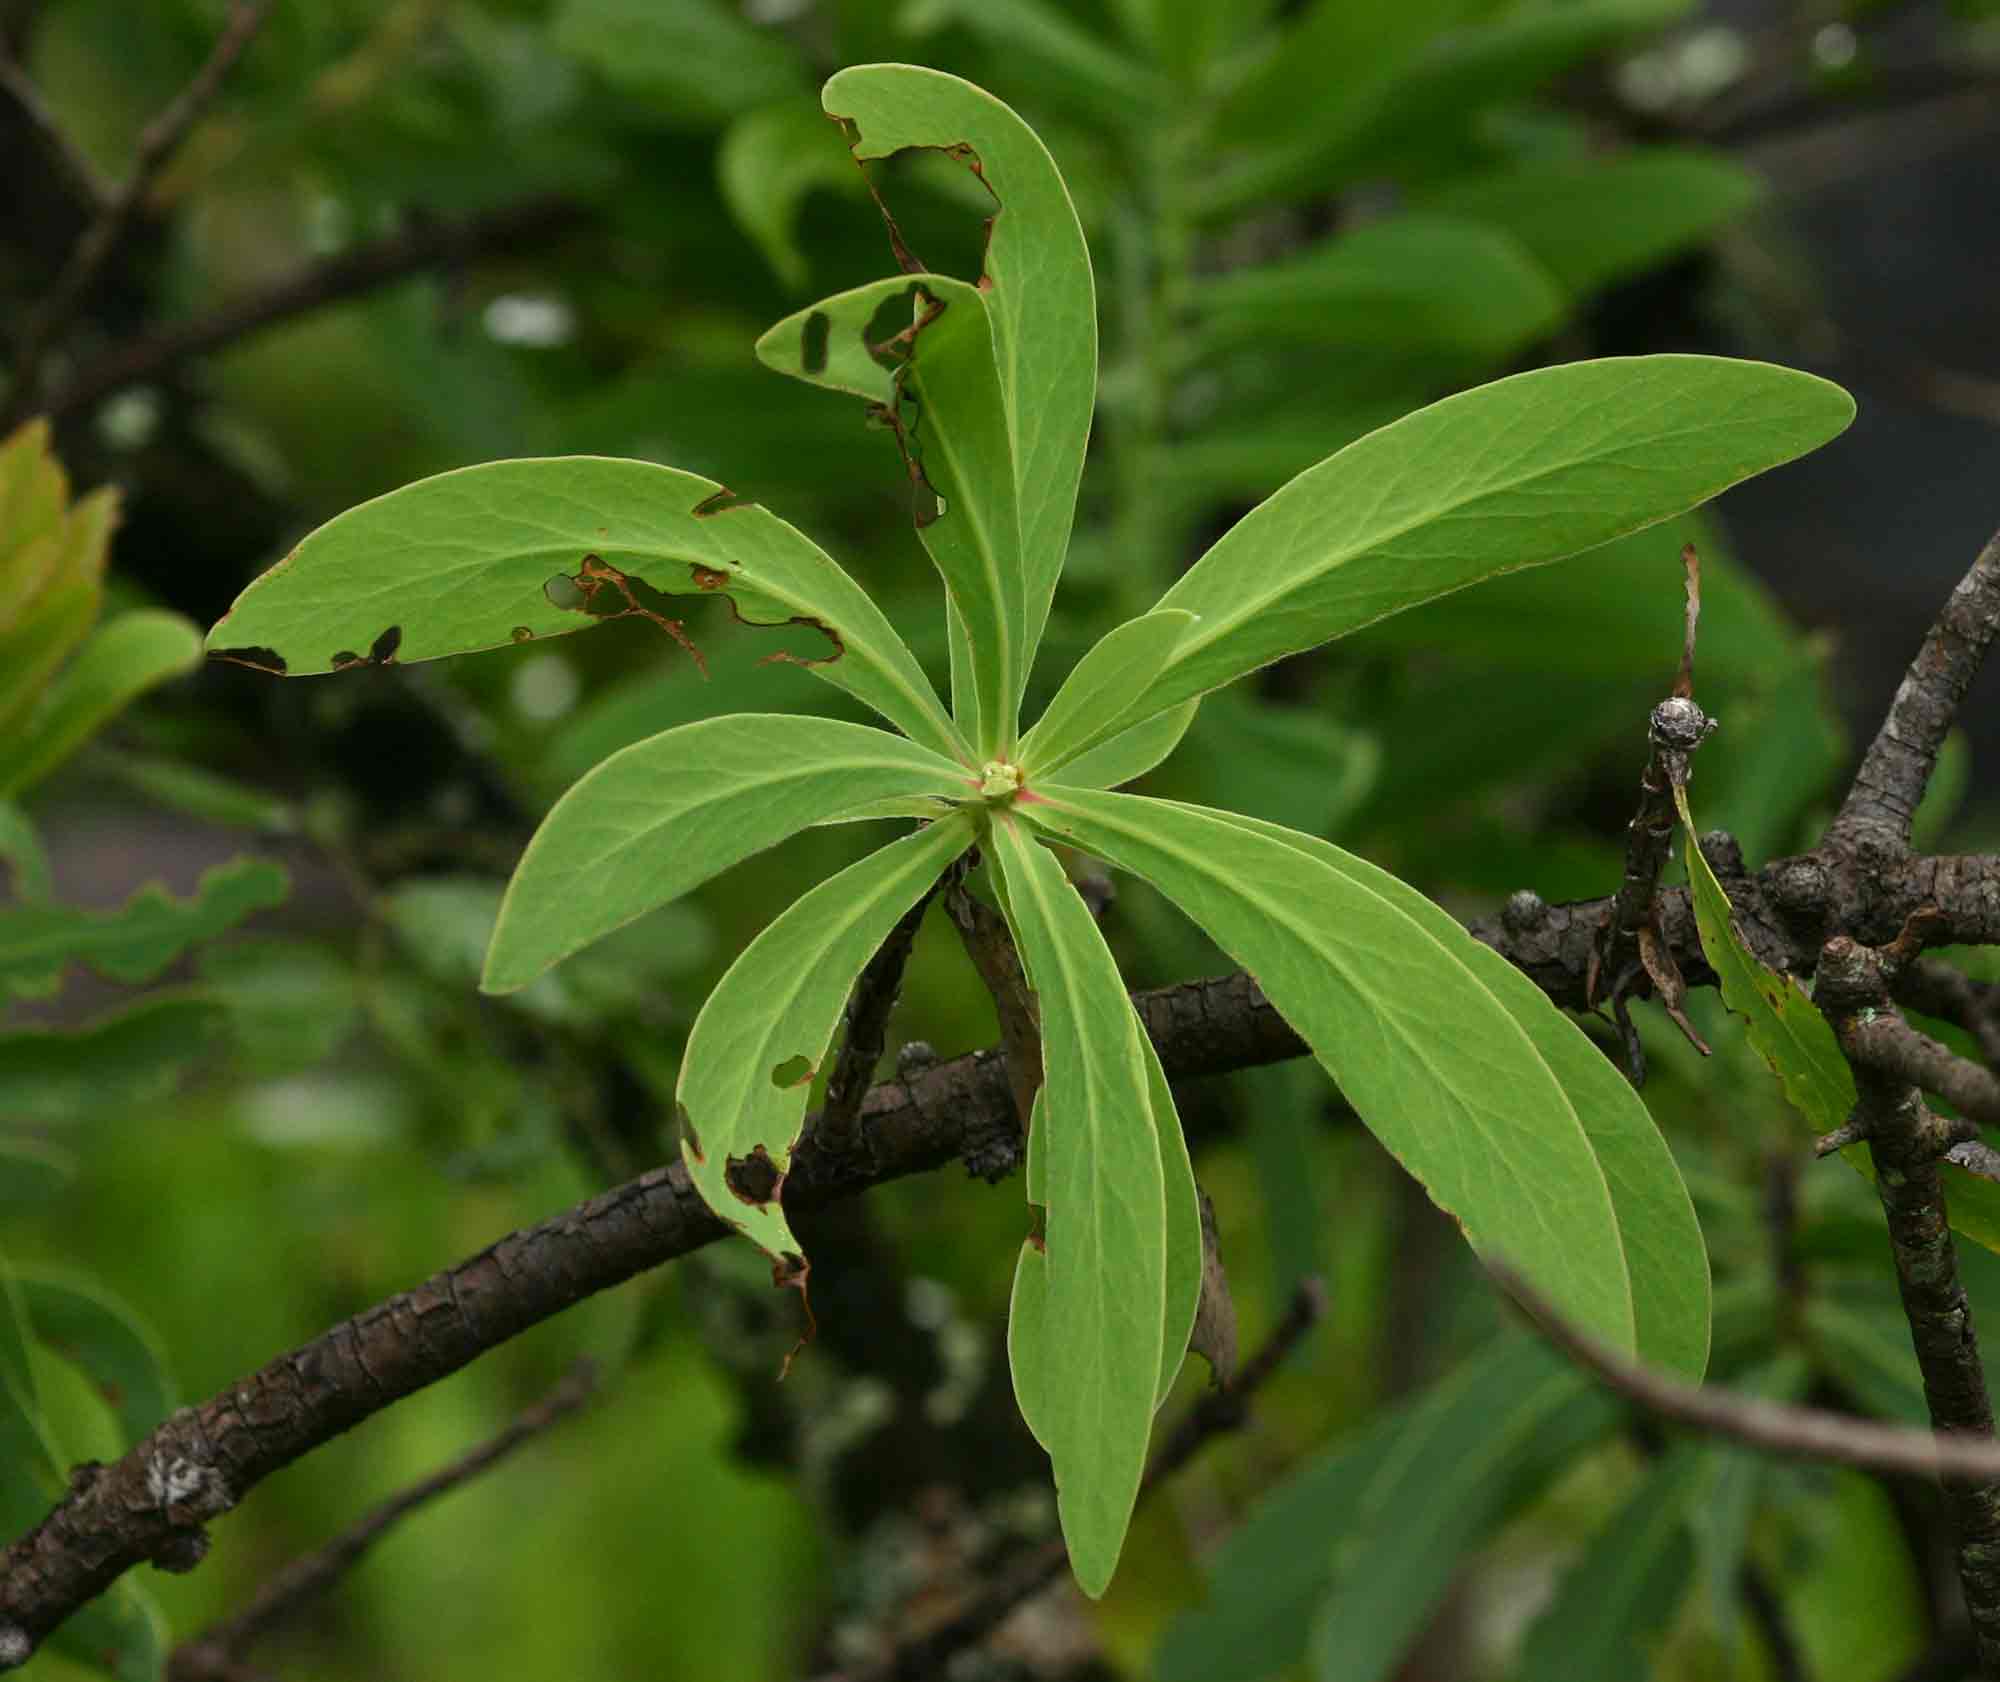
(1218, 1412)
(77, 174)
(1629, 953)
(1874, 820)
(868, 1010)
(348, 274)
(1798, 1433)
(1936, 989)
(989, 943)
(1888, 1044)
(218, 1650)
(157, 143)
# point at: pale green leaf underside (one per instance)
(1133, 752)
(1091, 705)
(1432, 1060)
(460, 562)
(922, 347)
(661, 817)
(1517, 473)
(1040, 294)
(1784, 1026)
(766, 1029)
(134, 943)
(119, 663)
(1664, 1248)
(1184, 1243)
(1106, 1223)
(1028, 1353)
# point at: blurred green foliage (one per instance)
(1306, 220)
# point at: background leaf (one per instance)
(119, 663)
(136, 942)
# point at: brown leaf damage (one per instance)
(597, 576)
(257, 659)
(381, 652)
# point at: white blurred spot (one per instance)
(1709, 60)
(544, 688)
(532, 319)
(1834, 46)
(129, 420)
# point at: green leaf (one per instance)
(1322, 76)
(119, 663)
(1063, 60)
(122, 1633)
(1347, 1558)
(663, 816)
(460, 562)
(1402, 1013)
(921, 347)
(1040, 296)
(34, 498)
(1518, 1418)
(32, 1174)
(292, 1003)
(97, 1333)
(695, 62)
(1133, 751)
(1612, 1611)
(1518, 473)
(769, 160)
(1662, 1239)
(1422, 280)
(128, 1059)
(1782, 1024)
(1184, 1238)
(1093, 700)
(1243, 754)
(764, 1034)
(42, 634)
(1856, 1331)
(1030, 1361)
(136, 942)
(197, 792)
(1592, 221)
(22, 852)
(1106, 1226)
(1033, 1360)
(1426, 89)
